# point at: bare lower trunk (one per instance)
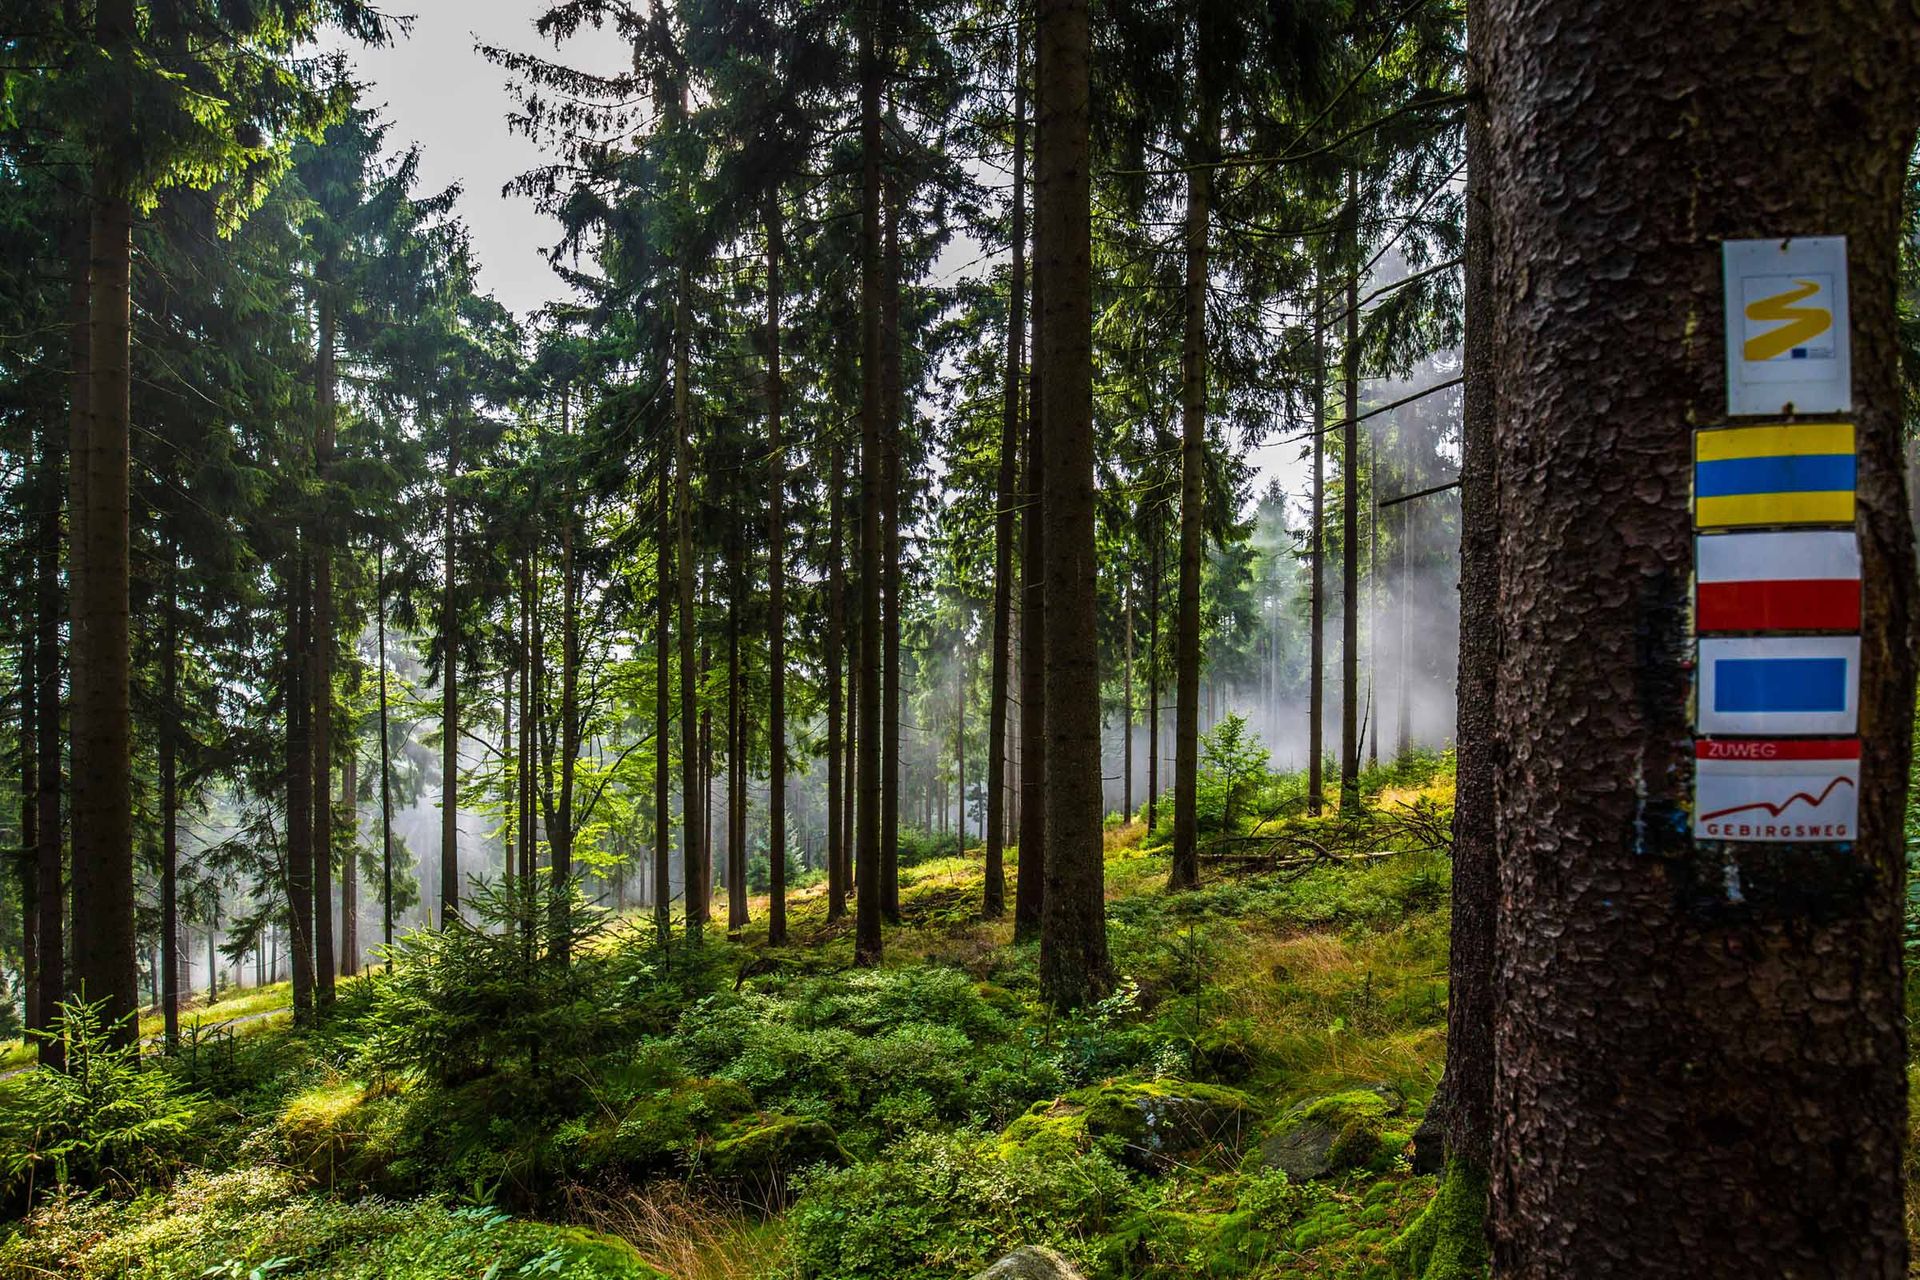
(834, 659)
(867, 941)
(776, 604)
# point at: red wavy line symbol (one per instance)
(1775, 810)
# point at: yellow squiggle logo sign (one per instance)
(1797, 324)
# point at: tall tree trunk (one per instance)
(1030, 876)
(103, 918)
(27, 858)
(776, 602)
(834, 660)
(1699, 1059)
(168, 731)
(692, 820)
(1317, 570)
(53, 882)
(350, 866)
(1185, 870)
(994, 898)
(321, 648)
(563, 771)
(1451, 1234)
(1073, 932)
(736, 735)
(1350, 520)
(867, 940)
(450, 691)
(299, 758)
(663, 705)
(48, 882)
(1126, 705)
(386, 763)
(891, 412)
(1153, 669)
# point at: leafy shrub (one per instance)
(102, 1119)
(1233, 769)
(938, 1206)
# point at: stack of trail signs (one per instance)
(1777, 559)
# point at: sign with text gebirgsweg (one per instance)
(1776, 790)
(1789, 347)
(1762, 686)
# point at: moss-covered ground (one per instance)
(730, 1110)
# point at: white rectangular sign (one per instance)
(1774, 791)
(1766, 685)
(1788, 335)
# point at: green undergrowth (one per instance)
(799, 1117)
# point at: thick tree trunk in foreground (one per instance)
(102, 783)
(1185, 872)
(892, 409)
(867, 941)
(1699, 1059)
(994, 898)
(1073, 930)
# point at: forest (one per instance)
(1163, 638)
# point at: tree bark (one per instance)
(892, 410)
(321, 649)
(102, 809)
(776, 604)
(167, 731)
(1153, 671)
(1350, 520)
(299, 759)
(1030, 876)
(834, 659)
(867, 938)
(48, 880)
(1073, 934)
(994, 895)
(1185, 870)
(350, 867)
(386, 762)
(692, 820)
(663, 705)
(1699, 1066)
(1317, 570)
(450, 690)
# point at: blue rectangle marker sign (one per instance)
(1772, 685)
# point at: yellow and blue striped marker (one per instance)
(1796, 474)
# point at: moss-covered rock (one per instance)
(1333, 1134)
(343, 1135)
(1031, 1263)
(762, 1151)
(662, 1130)
(1153, 1124)
(1225, 1054)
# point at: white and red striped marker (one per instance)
(1799, 580)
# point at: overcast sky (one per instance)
(438, 92)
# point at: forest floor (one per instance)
(1241, 1106)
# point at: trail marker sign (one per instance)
(1789, 347)
(1770, 685)
(1774, 791)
